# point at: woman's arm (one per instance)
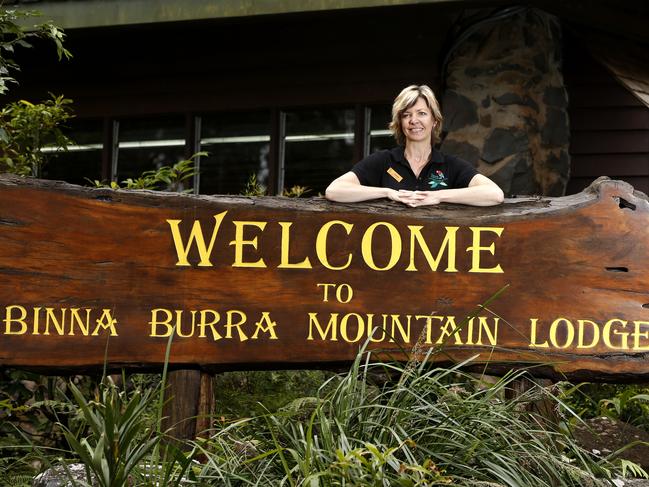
(348, 189)
(482, 191)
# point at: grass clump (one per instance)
(429, 426)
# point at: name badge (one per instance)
(395, 175)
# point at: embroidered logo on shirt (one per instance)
(395, 175)
(437, 180)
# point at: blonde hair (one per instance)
(405, 100)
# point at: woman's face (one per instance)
(417, 122)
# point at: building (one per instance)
(543, 98)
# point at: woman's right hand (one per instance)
(400, 196)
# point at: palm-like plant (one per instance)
(117, 438)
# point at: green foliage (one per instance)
(17, 470)
(255, 188)
(432, 426)
(32, 408)
(31, 405)
(13, 35)
(624, 402)
(631, 469)
(250, 393)
(117, 439)
(26, 129)
(296, 191)
(165, 178)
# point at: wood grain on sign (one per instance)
(275, 282)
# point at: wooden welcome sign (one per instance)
(269, 282)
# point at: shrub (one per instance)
(26, 129)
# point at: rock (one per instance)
(541, 62)
(58, 477)
(555, 131)
(461, 149)
(503, 177)
(608, 435)
(504, 142)
(559, 164)
(523, 181)
(459, 111)
(555, 96)
(557, 188)
(510, 71)
(634, 483)
(515, 99)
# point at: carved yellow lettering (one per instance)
(230, 324)
(606, 334)
(285, 250)
(179, 324)
(321, 244)
(637, 335)
(239, 243)
(360, 327)
(492, 334)
(50, 317)
(533, 344)
(449, 329)
(476, 248)
(156, 322)
(325, 292)
(469, 332)
(332, 327)
(266, 325)
(105, 322)
(429, 328)
(18, 320)
(36, 327)
(395, 246)
(427, 323)
(84, 325)
(372, 329)
(348, 291)
(417, 240)
(204, 323)
(397, 326)
(196, 235)
(569, 329)
(594, 329)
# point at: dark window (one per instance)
(83, 158)
(148, 144)
(380, 135)
(319, 147)
(316, 145)
(238, 146)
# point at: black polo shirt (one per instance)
(390, 169)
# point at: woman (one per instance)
(414, 173)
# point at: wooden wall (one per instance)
(609, 126)
(342, 57)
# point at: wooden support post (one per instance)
(205, 405)
(181, 400)
(543, 407)
(189, 402)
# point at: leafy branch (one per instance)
(166, 178)
(13, 35)
(27, 128)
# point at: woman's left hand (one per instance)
(421, 198)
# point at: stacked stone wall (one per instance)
(505, 104)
